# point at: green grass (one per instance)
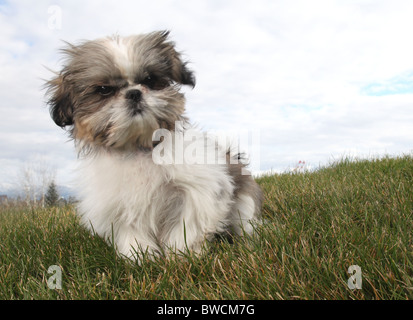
(316, 225)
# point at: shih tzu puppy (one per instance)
(114, 95)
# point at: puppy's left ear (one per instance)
(180, 72)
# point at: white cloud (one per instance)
(298, 70)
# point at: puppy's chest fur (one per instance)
(134, 192)
(122, 185)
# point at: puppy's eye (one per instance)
(105, 90)
(149, 81)
(155, 83)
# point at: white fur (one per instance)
(128, 197)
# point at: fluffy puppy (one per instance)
(114, 95)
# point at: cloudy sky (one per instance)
(308, 80)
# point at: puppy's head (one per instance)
(115, 92)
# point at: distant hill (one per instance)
(13, 192)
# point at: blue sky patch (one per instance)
(402, 84)
(4, 6)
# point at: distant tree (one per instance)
(52, 196)
(34, 178)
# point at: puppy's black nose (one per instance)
(134, 95)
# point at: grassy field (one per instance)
(316, 225)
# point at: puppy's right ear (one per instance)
(60, 101)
